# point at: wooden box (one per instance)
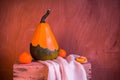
(38, 71)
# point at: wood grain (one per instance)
(32, 71)
(38, 71)
(87, 27)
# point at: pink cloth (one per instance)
(65, 69)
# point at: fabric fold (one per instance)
(65, 69)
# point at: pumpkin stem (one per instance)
(45, 16)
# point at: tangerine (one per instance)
(25, 58)
(62, 53)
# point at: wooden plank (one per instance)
(37, 71)
(32, 71)
(88, 68)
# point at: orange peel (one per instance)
(81, 59)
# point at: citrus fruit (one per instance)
(25, 58)
(62, 53)
(81, 59)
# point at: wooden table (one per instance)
(38, 71)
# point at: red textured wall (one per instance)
(87, 27)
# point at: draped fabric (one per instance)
(65, 69)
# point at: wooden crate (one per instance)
(38, 71)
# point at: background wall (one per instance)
(87, 27)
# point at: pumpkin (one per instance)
(43, 45)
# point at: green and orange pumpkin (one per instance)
(43, 45)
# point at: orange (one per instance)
(81, 59)
(25, 58)
(62, 53)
